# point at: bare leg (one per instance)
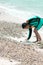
(37, 35)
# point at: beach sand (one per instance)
(26, 54)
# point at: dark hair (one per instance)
(24, 25)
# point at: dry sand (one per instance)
(12, 50)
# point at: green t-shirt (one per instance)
(36, 22)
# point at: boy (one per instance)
(36, 23)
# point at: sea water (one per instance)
(23, 8)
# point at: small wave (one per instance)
(19, 15)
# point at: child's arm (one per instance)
(30, 33)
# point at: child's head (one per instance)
(25, 25)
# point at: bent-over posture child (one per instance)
(36, 23)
